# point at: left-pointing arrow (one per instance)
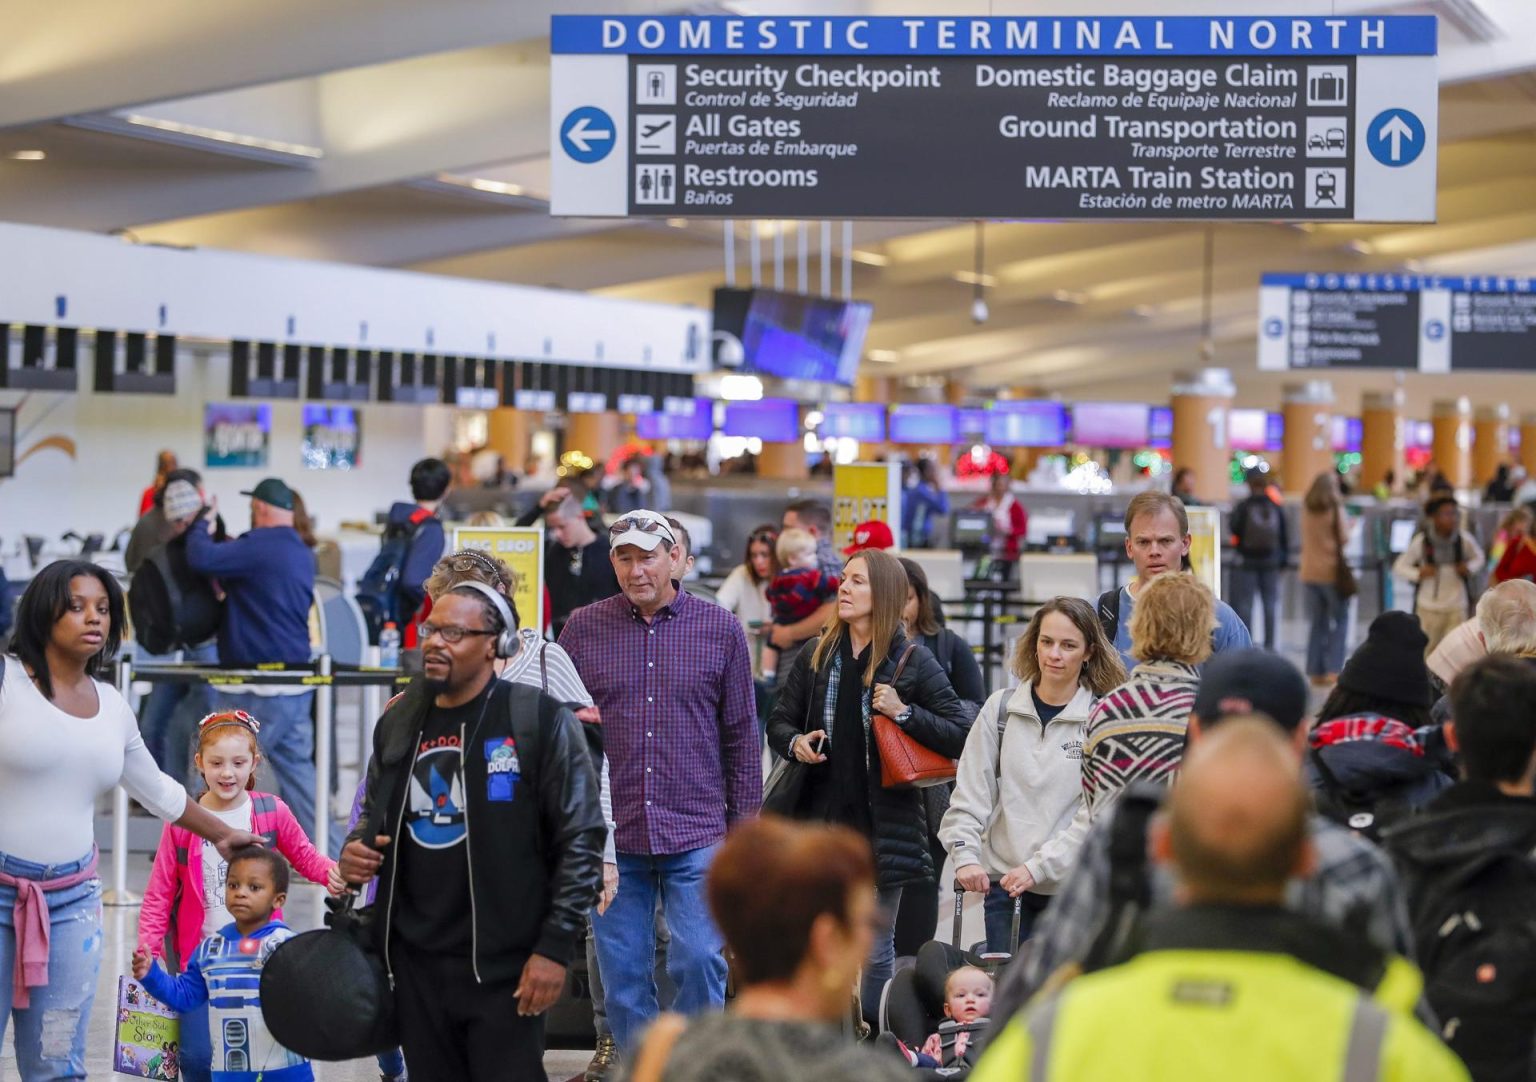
(581, 132)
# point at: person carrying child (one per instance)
(967, 1002)
(796, 592)
(185, 899)
(226, 972)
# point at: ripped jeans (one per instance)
(50, 1034)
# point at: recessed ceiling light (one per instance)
(678, 223)
(884, 356)
(971, 278)
(27, 155)
(871, 259)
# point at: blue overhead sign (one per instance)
(1427, 322)
(1188, 117)
(812, 35)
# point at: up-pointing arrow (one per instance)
(580, 133)
(1396, 131)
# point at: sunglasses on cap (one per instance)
(644, 525)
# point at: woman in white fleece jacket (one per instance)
(1016, 819)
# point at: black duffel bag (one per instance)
(326, 995)
(172, 606)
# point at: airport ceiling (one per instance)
(408, 134)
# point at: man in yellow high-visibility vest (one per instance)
(1231, 984)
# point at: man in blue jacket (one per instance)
(268, 578)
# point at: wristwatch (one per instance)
(901, 718)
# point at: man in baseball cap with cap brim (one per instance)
(671, 674)
(268, 579)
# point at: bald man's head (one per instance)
(1236, 825)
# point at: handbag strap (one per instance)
(902, 663)
(657, 1048)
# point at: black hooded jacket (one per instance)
(940, 720)
(535, 860)
(1466, 829)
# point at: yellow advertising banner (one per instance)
(1205, 546)
(522, 547)
(865, 492)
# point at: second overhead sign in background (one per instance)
(1190, 117)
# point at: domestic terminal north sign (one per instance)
(1187, 117)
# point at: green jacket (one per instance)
(1218, 994)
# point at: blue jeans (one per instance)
(626, 941)
(287, 741)
(880, 966)
(391, 1064)
(50, 1034)
(997, 914)
(196, 1058)
(1329, 623)
(169, 714)
(1251, 580)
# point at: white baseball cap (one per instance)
(643, 529)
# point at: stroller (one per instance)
(912, 1004)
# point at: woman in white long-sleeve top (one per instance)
(1016, 819)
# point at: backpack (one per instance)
(172, 606)
(1130, 879)
(1476, 939)
(378, 591)
(1109, 613)
(1363, 811)
(1261, 528)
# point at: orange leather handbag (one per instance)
(904, 763)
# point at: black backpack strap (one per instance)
(1109, 613)
(1130, 886)
(544, 666)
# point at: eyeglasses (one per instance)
(763, 535)
(644, 525)
(451, 633)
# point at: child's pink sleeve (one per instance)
(159, 897)
(294, 844)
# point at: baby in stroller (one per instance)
(967, 1004)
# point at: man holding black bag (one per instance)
(477, 924)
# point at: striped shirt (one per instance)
(679, 720)
(1136, 732)
(544, 665)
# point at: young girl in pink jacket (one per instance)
(184, 901)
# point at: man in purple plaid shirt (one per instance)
(672, 677)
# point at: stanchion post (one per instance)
(325, 719)
(119, 894)
(373, 705)
(988, 628)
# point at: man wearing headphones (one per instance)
(483, 826)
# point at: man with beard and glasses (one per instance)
(483, 826)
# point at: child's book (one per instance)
(148, 1034)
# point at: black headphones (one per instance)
(506, 639)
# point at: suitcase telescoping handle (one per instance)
(992, 881)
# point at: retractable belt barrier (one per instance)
(323, 676)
